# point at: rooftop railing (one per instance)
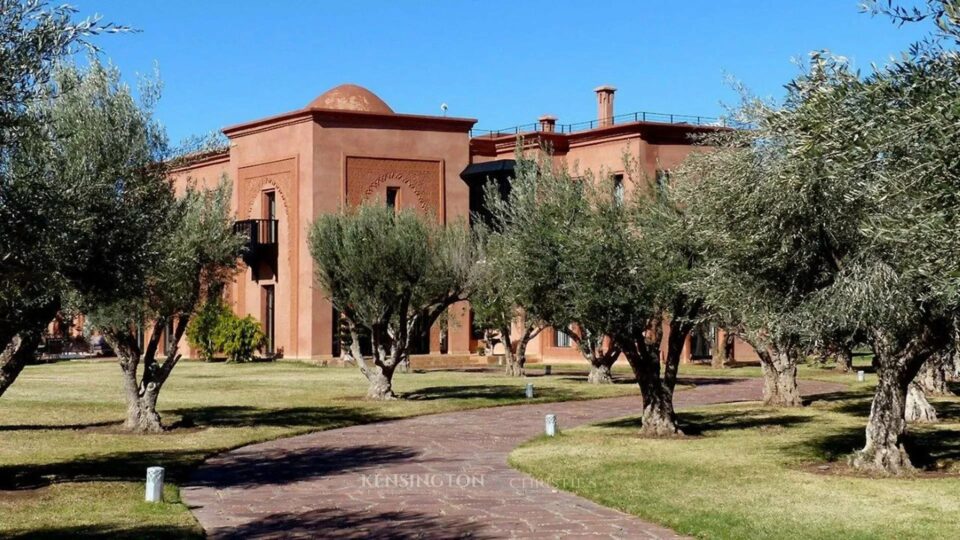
(641, 116)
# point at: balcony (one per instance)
(260, 252)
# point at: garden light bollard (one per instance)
(154, 484)
(860, 376)
(529, 390)
(551, 425)
(546, 370)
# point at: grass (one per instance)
(754, 472)
(66, 469)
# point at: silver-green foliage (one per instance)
(836, 213)
(391, 274)
(81, 192)
(198, 253)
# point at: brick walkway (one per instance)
(437, 476)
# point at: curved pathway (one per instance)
(435, 476)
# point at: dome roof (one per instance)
(350, 97)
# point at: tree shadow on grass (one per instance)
(349, 524)
(926, 446)
(858, 403)
(496, 392)
(947, 411)
(617, 379)
(116, 466)
(703, 423)
(246, 416)
(233, 416)
(59, 427)
(851, 402)
(145, 532)
(268, 466)
(131, 465)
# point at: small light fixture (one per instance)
(154, 492)
(550, 426)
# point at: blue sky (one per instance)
(502, 62)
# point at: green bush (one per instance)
(201, 332)
(239, 337)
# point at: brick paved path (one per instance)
(436, 476)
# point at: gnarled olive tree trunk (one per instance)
(931, 380)
(844, 357)
(141, 394)
(600, 352)
(918, 408)
(897, 365)
(20, 339)
(935, 372)
(884, 449)
(380, 374)
(515, 352)
(17, 354)
(659, 417)
(723, 351)
(780, 376)
(643, 354)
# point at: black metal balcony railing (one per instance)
(618, 119)
(260, 232)
(261, 251)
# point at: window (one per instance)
(270, 205)
(619, 192)
(561, 338)
(393, 196)
(269, 317)
(269, 233)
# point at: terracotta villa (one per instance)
(347, 146)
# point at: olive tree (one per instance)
(67, 231)
(839, 214)
(198, 253)
(390, 274)
(496, 304)
(622, 299)
(772, 224)
(524, 242)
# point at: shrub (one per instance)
(201, 332)
(239, 337)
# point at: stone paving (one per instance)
(436, 476)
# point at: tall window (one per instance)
(619, 192)
(393, 195)
(269, 317)
(561, 338)
(270, 212)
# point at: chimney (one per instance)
(548, 123)
(605, 105)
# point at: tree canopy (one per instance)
(391, 274)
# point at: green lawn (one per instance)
(65, 469)
(752, 472)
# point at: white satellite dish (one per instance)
(444, 107)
